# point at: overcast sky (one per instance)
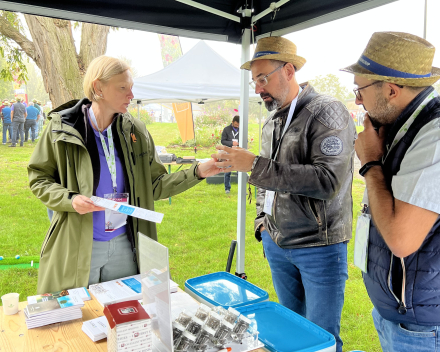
(327, 47)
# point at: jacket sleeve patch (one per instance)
(331, 146)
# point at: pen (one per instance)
(229, 349)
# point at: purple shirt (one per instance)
(106, 186)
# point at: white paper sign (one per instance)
(361, 241)
(268, 202)
(128, 209)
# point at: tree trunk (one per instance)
(55, 54)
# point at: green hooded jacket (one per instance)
(61, 166)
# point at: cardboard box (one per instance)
(129, 327)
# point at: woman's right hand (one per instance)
(84, 205)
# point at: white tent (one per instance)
(201, 75)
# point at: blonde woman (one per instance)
(95, 147)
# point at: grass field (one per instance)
(197, 228)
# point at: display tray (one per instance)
(283, 330)
(224, 289)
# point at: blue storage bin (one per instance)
(224, 289)
(282, 330)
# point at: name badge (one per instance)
(268, 202)
(361, 241)
(114, 219)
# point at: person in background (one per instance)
(18, 118)
(303, 177)
(32, 117)
(6, 119)
(40, 119)
(399, 235)
(230, 136)
(94, 147)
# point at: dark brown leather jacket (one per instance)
(312, 174)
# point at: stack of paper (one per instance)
(53, 311)
(82, 292)
(96, 329)
(121, 290)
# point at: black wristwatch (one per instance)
(367, 166)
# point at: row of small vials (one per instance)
(208, 326)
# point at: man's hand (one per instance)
(208, 169)
(235, 143)
(84, 205)
(236, 159)
(369, 145)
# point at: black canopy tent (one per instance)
(221, 20)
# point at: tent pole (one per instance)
(426, 19)
(243, 141)
(259, 128)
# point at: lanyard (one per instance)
(410, 121)
(235, 134)
(110, 152)
(286, 126)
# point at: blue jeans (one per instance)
(310, 281)
(7, 127)
(396, 337)
(227, 181)
(17, 128)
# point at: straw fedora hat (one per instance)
(399, 58)
(276, 48)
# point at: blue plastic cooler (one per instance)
(224, 289)
(280, 329)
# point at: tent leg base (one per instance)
(241, 276)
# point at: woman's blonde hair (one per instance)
(102, 68)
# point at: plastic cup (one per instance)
(10, 303)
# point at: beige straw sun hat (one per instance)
(276, 48)
(399, 58)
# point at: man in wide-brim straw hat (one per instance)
(304, 176)
(399, 151)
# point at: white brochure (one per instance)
(128, 209)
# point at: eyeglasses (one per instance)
(358, 94)
(262, 81)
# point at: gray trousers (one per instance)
(112, 260)
(17, 130)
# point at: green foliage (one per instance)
(11, 52)
(330, 85)
(214, 115)
(35, 86)
(6, 91)
(143, 115)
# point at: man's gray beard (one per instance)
(383, 113)
(276, 103)
(272, 105)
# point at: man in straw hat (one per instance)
(399, 250)
(304, 176)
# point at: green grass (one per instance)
(198, 228)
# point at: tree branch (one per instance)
(9, 31)
(93, 44)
